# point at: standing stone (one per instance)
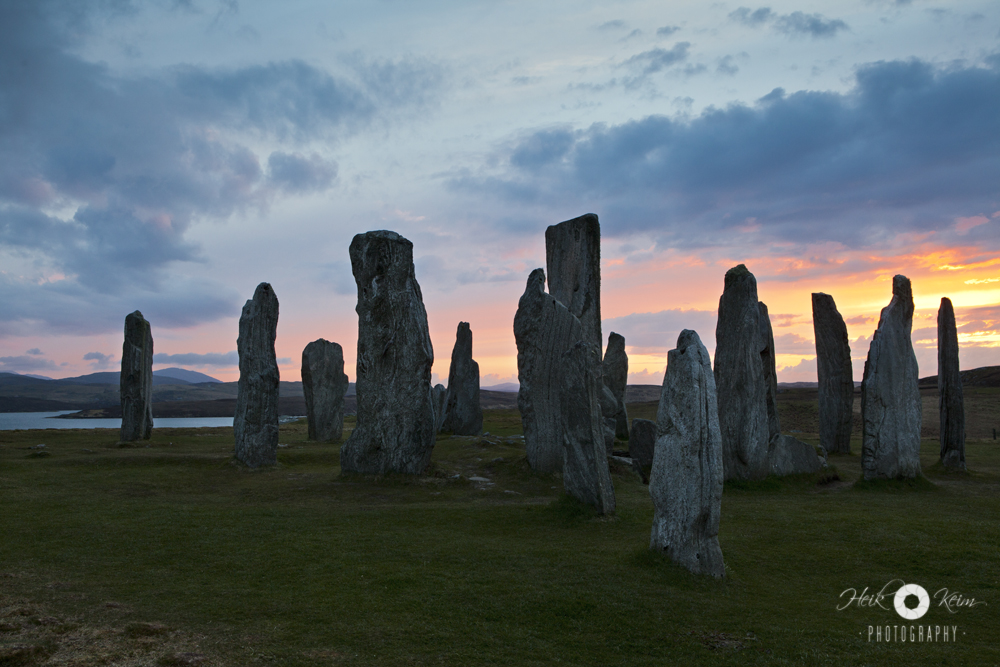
(686, 479)
(835, 374)
(616, 379)
(890, 398)
(395, 427)
(324, 384)
(463, 414)
(770, 374)
(742, 391)
(543, 329)
(440, 398)
(255, 424)
(950, 400)
(137, 379)
(585, 463)
(642, 440)
(573, 264)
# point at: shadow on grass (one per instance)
(567, 512)
(918, 484)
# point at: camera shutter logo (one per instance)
(900, 601)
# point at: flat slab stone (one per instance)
(770, 374)
(789, 456)
(463, 412)
(255, 424)
(834, 373)
(616, 380)
(890, 399)
(573, 264)
(324, 384)
(585, 463)
(642, 441)
(439, 396)
(686, 480)
(740, 379)
(395, 414)
(543, 330)
(951, 402)
(136, 383)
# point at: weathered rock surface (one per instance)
(137, 379)
(585, 460)
(616, 379)
(739, 379)
(770, 375)
(324, 384)
(608, 407)
(439, 396)
(890, 399)
(395, 414)
(835, 374)
(642, 441)
(789, 456)
(951, 402)
(255, 425)
(463, 414)
(686, 479)
(573, 264)
(543, 329)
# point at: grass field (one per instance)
(173, 555)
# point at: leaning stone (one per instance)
(890, 398)
(573, 264)
(395, 414)
(324, 384)
(770, 373)
(255, 424)
(739, 379)
(136, 382)
(642, 441)
(835, 375)
(463, 414)
(951, 403)
(543, 329)
(440, 399)
(686, 479)
(585, 463)
(789, 456)
(616, 379)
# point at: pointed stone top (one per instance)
(616, 339)
(901, 287)
(137, 314)
(536, 280)
(737, 272)
(263, 291)
(945, 304)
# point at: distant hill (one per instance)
(506, 386)
(194, 377)
(114, 378)
(987, 376)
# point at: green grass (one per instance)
(145, 555)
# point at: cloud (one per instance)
(794, 24)
(99, 360)
(35, 351)
(131, 162)
(655, 60)
(656, 333)
(667, 30)
(727, 65)
(226, 359)
(617, 24)
(909, 148)
(25, 363)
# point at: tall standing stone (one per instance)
(616, 379)
(686, 479)
(642, 440)
(950, 400)
(585, 463)
(770, 374)
(739, 379)
(137, 379)
(573, 264)
(463, 414)
(543, 329)
(835, 374)
(395, 428)
(324, 384)
(255, 424)
(890, 398)
(439, 396)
